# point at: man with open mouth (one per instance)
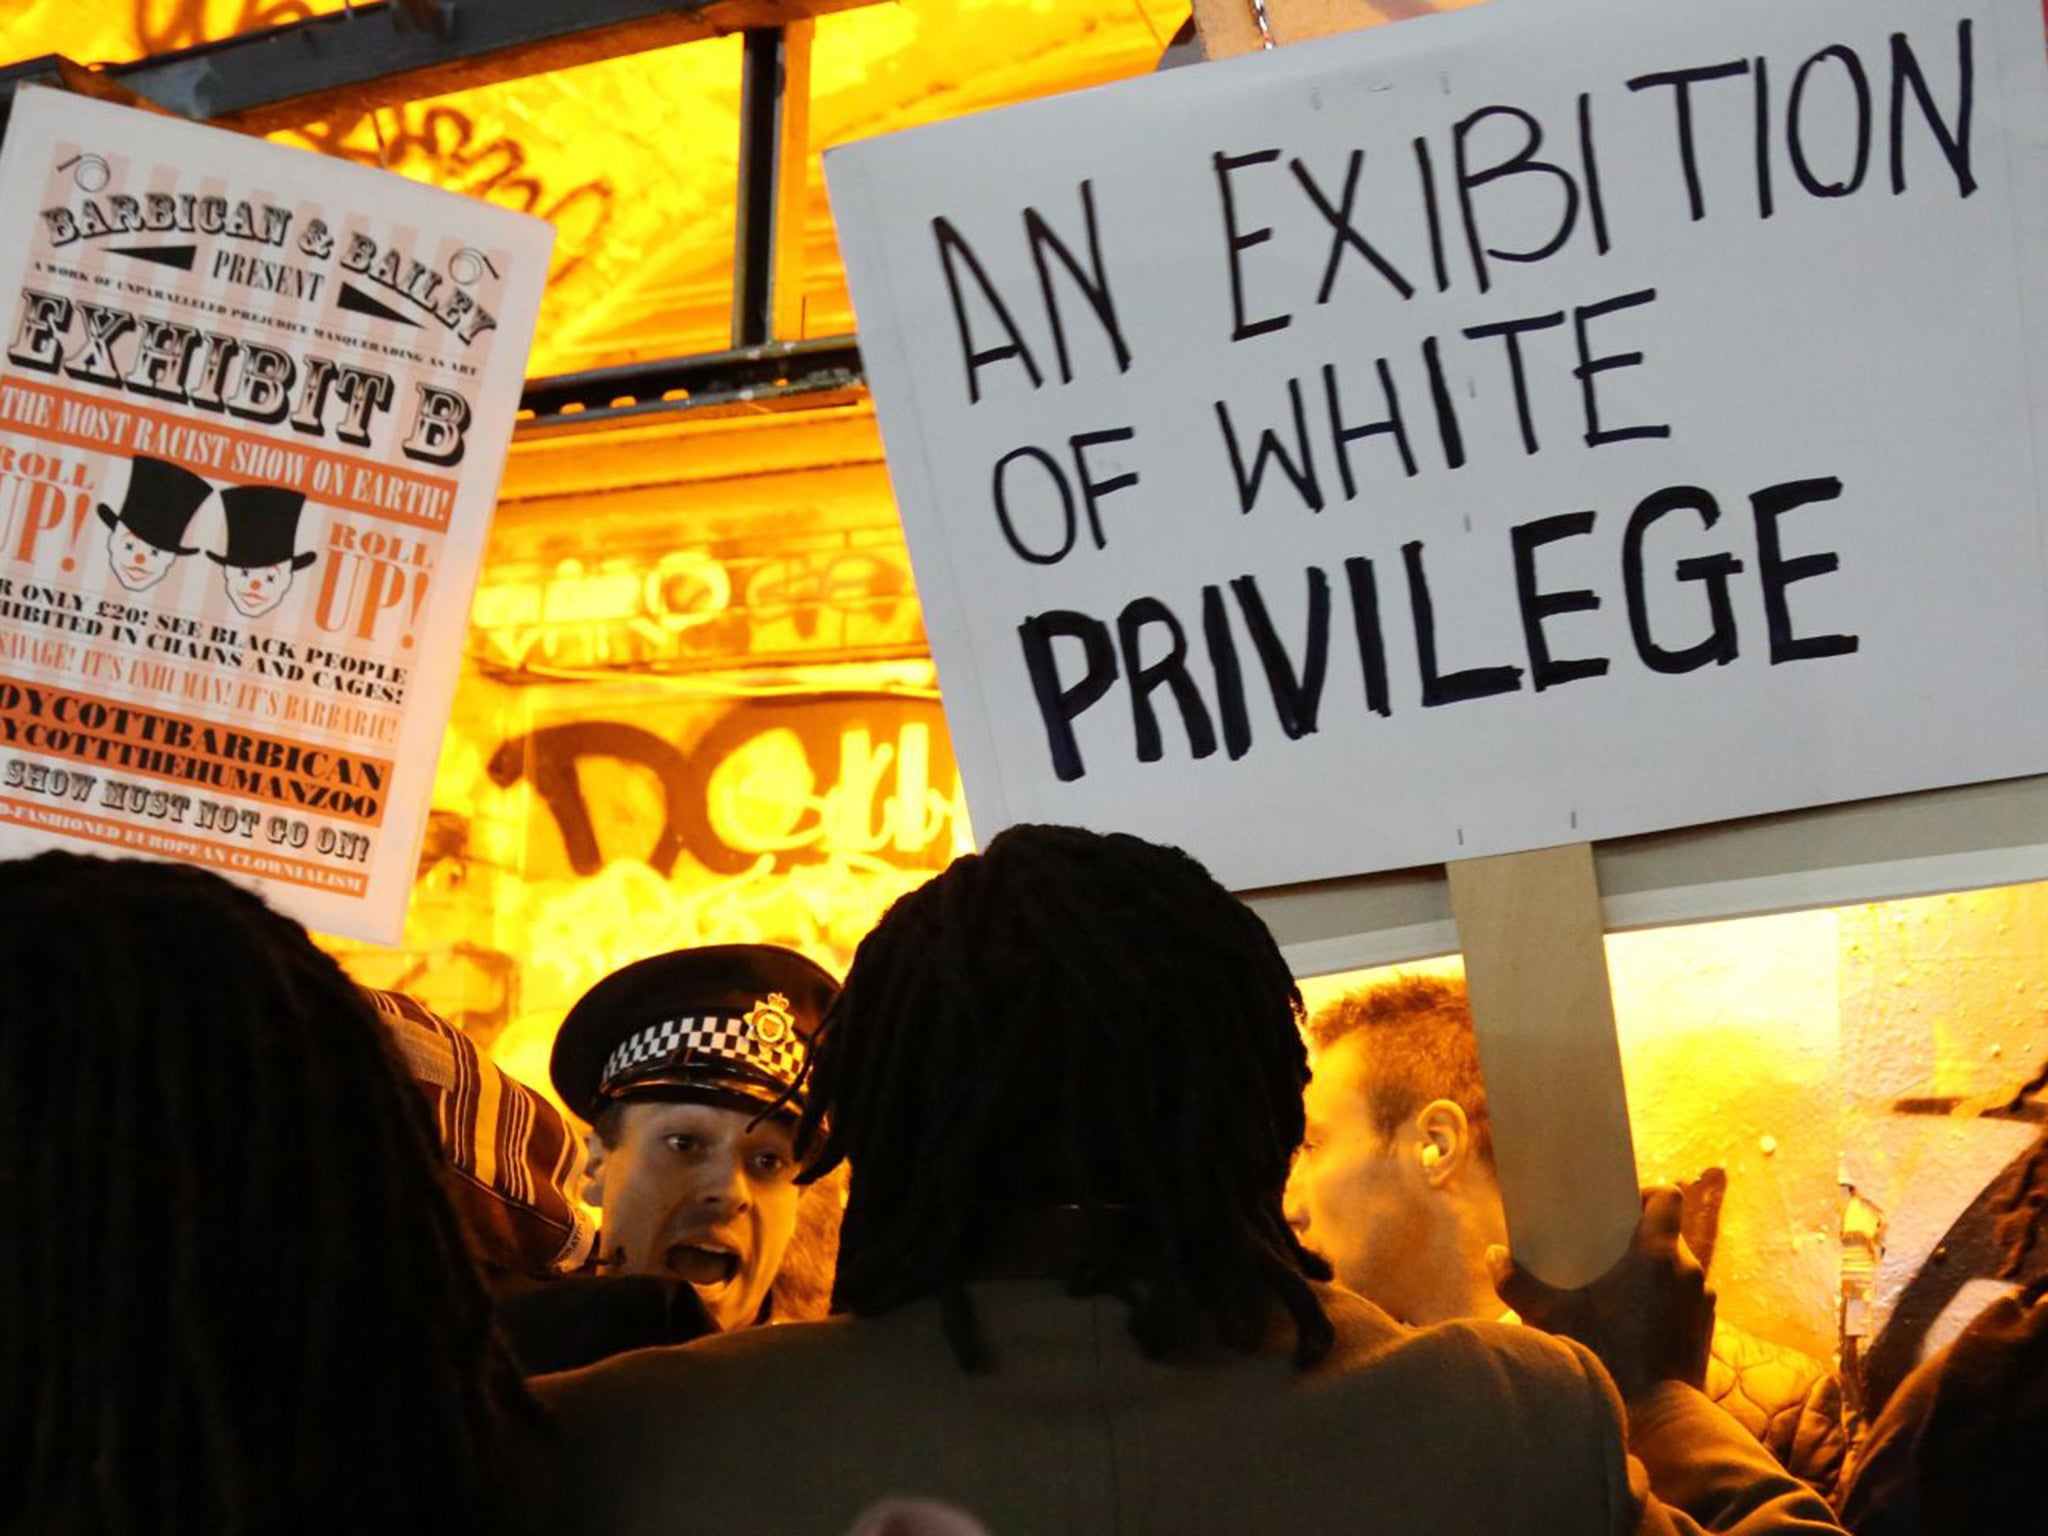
(685, 1064)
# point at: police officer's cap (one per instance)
(725, 1024)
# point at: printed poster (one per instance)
(254, 405)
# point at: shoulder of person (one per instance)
(656, 1373)
(1501, 1356)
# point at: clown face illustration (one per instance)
(147, 536)
(260, 560)
(138, 564)
(256, 589)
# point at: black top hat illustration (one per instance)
(159, 505)
(263, 527)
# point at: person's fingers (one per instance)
(1663, 1213)
(1515, 1286)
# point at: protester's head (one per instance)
(1395, 1182)
(688, 1067)
(235, 1295)
(1071, 1020)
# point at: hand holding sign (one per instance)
(1649, 1318)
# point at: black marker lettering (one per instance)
(1775, 573)
(1303, 474)
(1719, 648)
(1060, 705)
(1237, 728)
(1344, 234)
(953, 247)
(1365, 623)
(1343, 434)
(1681, 82)
(1954, 142)
(1093, 282)
(1296, 699)
(1235, 244)
(1545, 670)
(1171, 669)
(1473, 682)
(1590, 366)
(1795, 117)
(1510, 332)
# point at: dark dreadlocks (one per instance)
(1071, 1019)
(233, 1295)
(2024, 1208)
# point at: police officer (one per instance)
(684, 1064)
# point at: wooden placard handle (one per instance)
(1536, 968)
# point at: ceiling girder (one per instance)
(378, 54)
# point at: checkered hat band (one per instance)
(664, 1044)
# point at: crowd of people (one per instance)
(1040, 1224)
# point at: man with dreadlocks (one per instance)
(1067, 1076)
(234, 1298)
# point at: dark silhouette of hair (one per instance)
(2024, 1209)
(1071, 1019)
(234, 1297)
(1419, 1045)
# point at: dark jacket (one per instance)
(570, 1323)
(1468, 1429)
(1959, 1446)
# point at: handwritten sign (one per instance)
(253, 409)
(1498, 430)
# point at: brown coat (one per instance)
(1463, 1430)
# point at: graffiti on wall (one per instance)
(162, 25)
(699, 606)
(802, 780)
(660, 821)
(605, 823)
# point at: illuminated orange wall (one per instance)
(1780, 1048)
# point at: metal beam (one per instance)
(377, 54)
(777, 376)
(58, 73)
(753, 256)
(384, 52)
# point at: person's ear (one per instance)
(1444, 1141)
(594, 1155)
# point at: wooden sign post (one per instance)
(1529, 925)
(1536, 968)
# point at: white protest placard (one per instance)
(1521, 426)
(254, 404)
